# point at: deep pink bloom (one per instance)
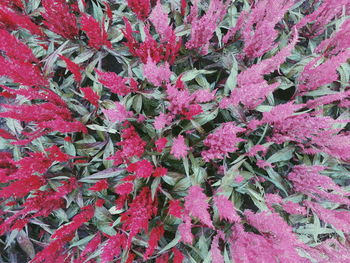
(9, 19)
(196, 204)
(117, 84)
(73, 67)
(140, 7)
(99, 186)
(91, 95)
(95, 32)
(124, 188)
(137, 217)
(160, 171)
(175, 208)
(113, 247)
(14, 69)
(132, 145)
(142, 169)
(59, 18)
(178, 256)
(155, 235)
(160, 144)
(14, 48)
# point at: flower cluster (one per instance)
(174, 131)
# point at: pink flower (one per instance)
(119, 114)
(203, 28)
(197, 205)
(226, 209)
(252, 87)
(294, 208)
(185, 230)
(338, 218)
(222, 142)
(161, 22)
(313, 77)
(162, 121)
(204, 95)
(179, 148)
(309, 181)
(215, 251)
(259, 31)
(156, 74)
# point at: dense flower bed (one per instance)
(175, 131)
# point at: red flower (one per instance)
(99, 186)
(141, 168)
(90, 95)
(140, 7)
(72, 67)
(95, 32)
(59, 18)
(124, 188)
(160, 144)
(160, 171)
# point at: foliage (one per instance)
(174, 131)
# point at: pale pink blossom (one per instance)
(204, 95)
(185, 230)
(118, 114)
(156, 74)
(203, 28)
(162, 121)
(179, 148)
(160, 21)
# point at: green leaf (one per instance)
(283, 155)
(231, 81)
(190, 75)
(171, 244)
(107, 173)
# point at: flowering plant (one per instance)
(174, 131)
